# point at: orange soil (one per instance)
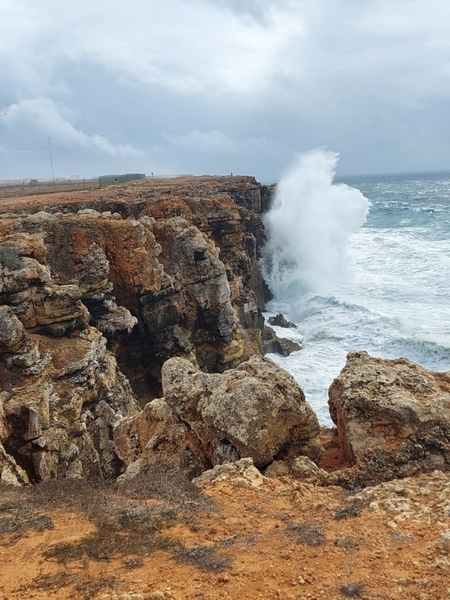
(360, 555)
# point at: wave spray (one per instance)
(309, 226)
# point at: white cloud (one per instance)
(52, 119)
(209, 141)
(300, 73)
(218, 142)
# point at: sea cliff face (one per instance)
(99, 288)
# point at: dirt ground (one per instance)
(284, 539)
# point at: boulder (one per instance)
(272, 344)
(242, 473)
(392, 416)
(256, 410)
(156, 440)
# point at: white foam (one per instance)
(309, 226)
(396, 303)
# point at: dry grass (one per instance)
(204, 558)
(310, 534)
(352, 591)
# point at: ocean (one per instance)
(361, 263)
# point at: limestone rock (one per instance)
(303, 468)
(392, 416)
(257, 408)
(156, 439)
(59, 422)
(278, 468)
(240, 474)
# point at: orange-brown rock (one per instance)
(392, 417)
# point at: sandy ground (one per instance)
(283, 540)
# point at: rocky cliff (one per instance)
(130, 340)
(99, 288)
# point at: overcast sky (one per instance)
(220, 86)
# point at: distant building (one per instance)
(105, 180)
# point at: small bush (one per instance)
(131, 533)
(307, 533)
(345, 513)
(204, 558)
(352, 591)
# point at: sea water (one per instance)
(359, 264)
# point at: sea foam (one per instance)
(309, 226)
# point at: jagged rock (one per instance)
(77, 267)
(392, 416)
(60, 423)
(281, 321)
(257, 408)
(156, 439)
(242, 473)
(10, 472)
(272, 344)
(12, 332)
(303, 468)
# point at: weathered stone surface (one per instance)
(257, 408)
(392, 416)
(240, 474)
(161, 269)
(156, 440)
(272, 344)
(58, 422)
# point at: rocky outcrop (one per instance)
(178, 258)
(157, 440)
(89, 282)
(280, 320)
(241, 473)
(61, 390)
(272, 344)
(256, 410)
(392, 417)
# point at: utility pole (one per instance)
(51, 158)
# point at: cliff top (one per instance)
(30, 199)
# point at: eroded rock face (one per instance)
(146, 274)
(393, 417)
(256, 410)
(58, 422)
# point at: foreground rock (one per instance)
(256, 410)
(238, 474)
(392, 417)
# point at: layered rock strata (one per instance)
(150, 271)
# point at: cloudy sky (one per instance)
(220, 86)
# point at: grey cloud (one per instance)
(214, 86)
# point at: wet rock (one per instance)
(272, 344)
(280, 320)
